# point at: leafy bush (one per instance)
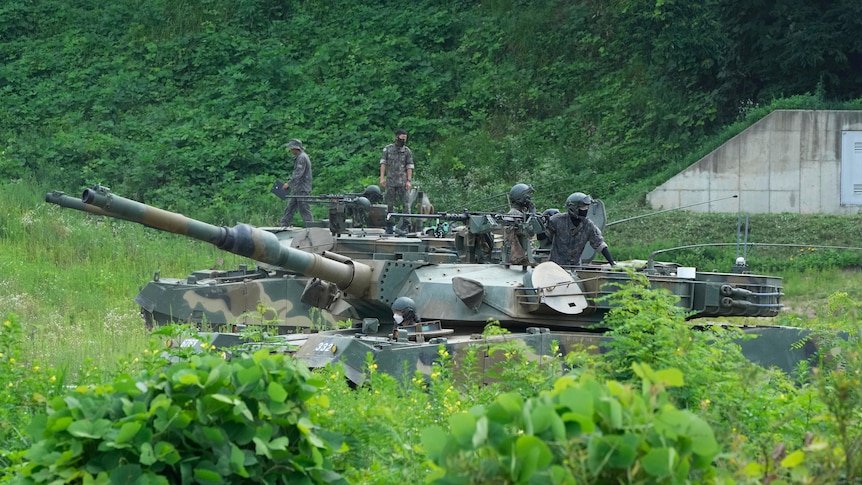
(582, 431)
(204, 420)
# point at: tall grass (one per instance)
(71, 277)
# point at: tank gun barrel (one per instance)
(243, 240)
(63, 200)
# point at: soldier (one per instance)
(570, 231)
(518, 234)
(300, 180)
(404, 312)
(396, 174)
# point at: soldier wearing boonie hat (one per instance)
(300, 181)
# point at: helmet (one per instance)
(578, 199)
(363, 203)
(403, 303)
(550, 212)
(373, 194)
(520, 193)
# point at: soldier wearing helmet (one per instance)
(518, 233)
(570, 231)
(373, 194)
(404, 311)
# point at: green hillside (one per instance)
(186, 104)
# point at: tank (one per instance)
(359, 276)
(229, 299)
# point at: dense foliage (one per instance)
(203, 420)
(177, 103)
(571, 419)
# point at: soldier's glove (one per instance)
(607, 254)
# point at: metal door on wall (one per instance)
(851, 168)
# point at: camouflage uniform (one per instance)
(518, 238)
(569, 240)
(300, 184)
(397, 161)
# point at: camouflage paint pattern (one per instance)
(218, 298)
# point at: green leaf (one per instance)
(541, 417)
(481, 434)
(793, 459)
(261, 447)
(278, 408)
(612, 412)
(128, 431)
(225, 399)
(147, 457)
(89, 429)
(579, 401)
(433, 441)
(126, 474)
(463, 427)
(187, 377)
(670, 377)
(60, 424)
(659, 462)
(249, 375)
(531, 454)
(276, 392)
(208, 474)
(505, 407)
(561, 476)
(613, 451)
(166, 452)
(213, 434)
(241, 409)
(237, 461)
(702, 438)
(281, 443)
(214, 376)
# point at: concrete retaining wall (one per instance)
(790, 161)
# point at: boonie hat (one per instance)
(293, 144)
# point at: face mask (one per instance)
(583, 212)
(399, 142)
(398, 318)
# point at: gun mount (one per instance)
(346, 210)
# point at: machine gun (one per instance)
(480, 222)
(476, 240)
(342, 206)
